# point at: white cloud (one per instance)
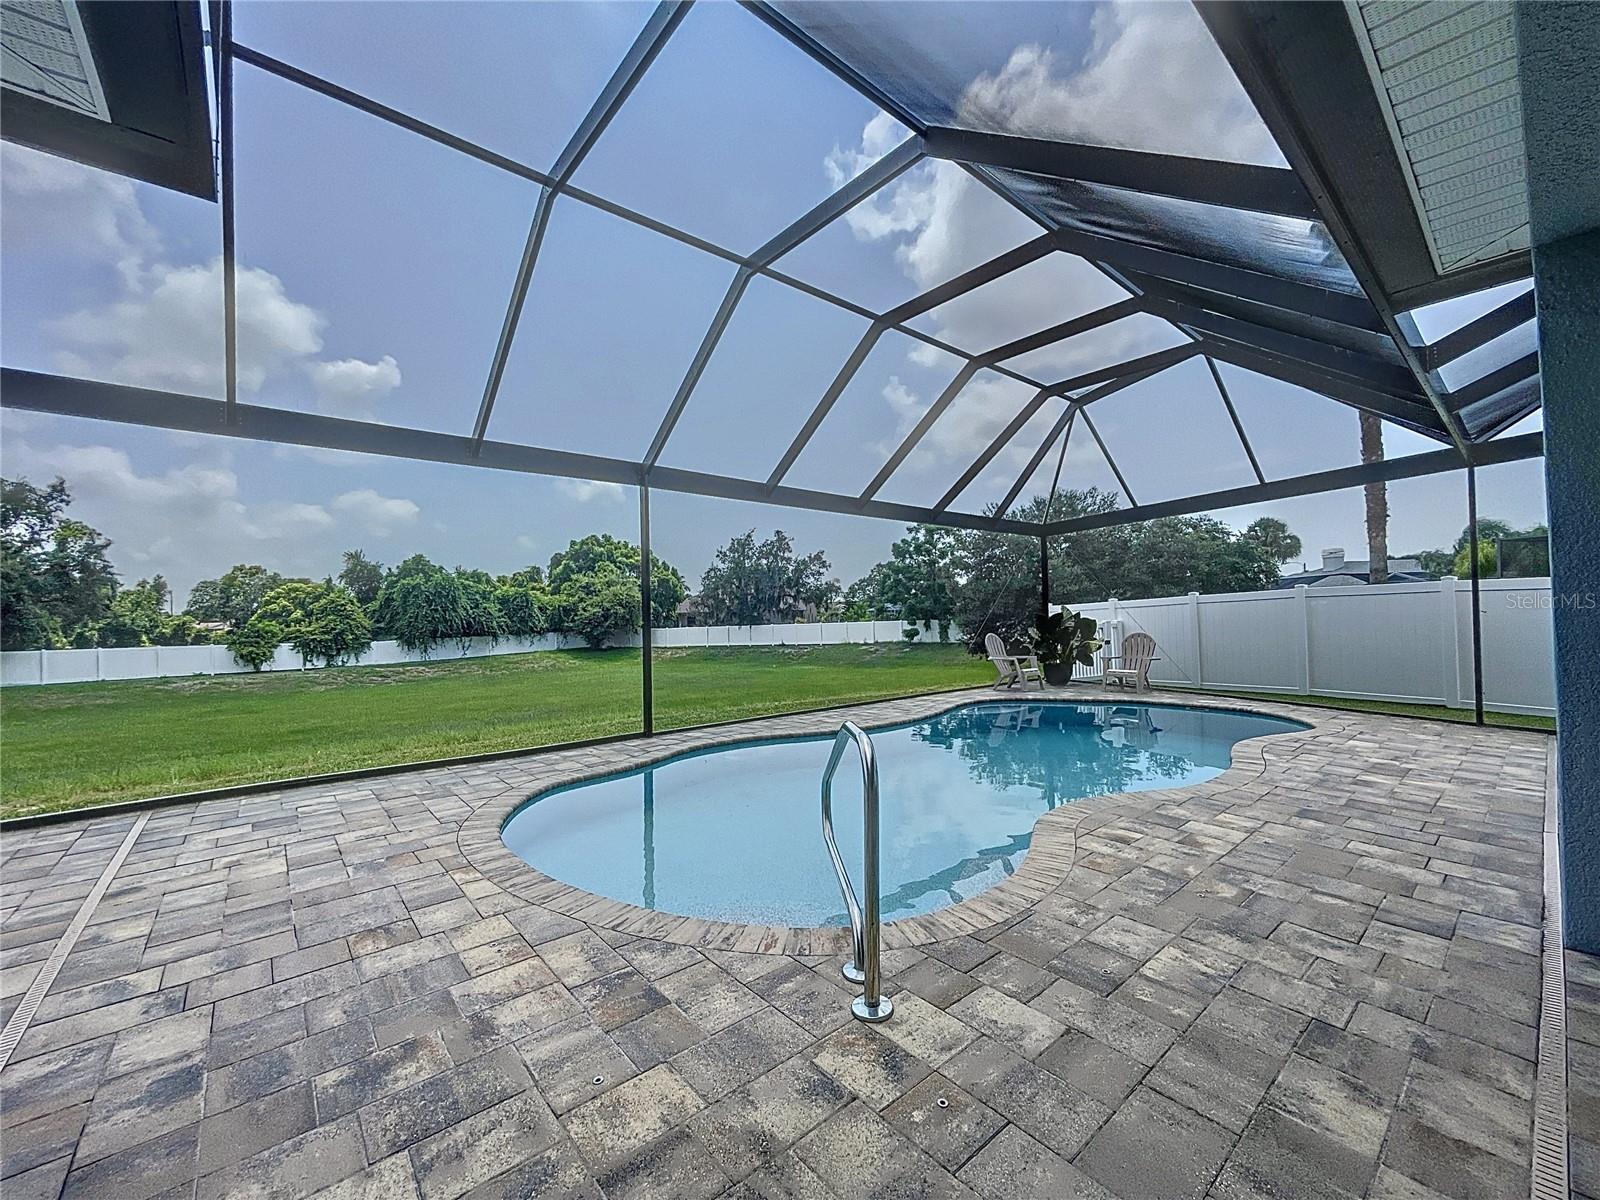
(1150, 79)
(187, 522)
(376, 514)
(347, 386)
(52, 202)
(585, 490)
(162, 325)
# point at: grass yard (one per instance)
(72, 745)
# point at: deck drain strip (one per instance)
(1550, 1169)
(23, 1017)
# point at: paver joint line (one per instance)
(23, 1016)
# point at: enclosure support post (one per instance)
(1477, 612)
(1044, 578)
(644, 610)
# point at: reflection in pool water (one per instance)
(733, 833)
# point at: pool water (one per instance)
(734, 833)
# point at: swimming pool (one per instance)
(732, 833)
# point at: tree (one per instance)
(54, 574)
(422, 606)
(234, 597)
(138, 615)
(754, 583)
(362, 577)
(526, 609)
(255, 643)
(1377, 500)
(1273, 536)
(864, 600)
(587, 555)
(919, 581)
(601, 604)
(321, 621)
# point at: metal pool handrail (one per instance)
(871, 1005)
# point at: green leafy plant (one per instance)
(1065, 638)
(255, 642)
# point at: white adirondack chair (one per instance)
(1015, 669)
(1138, 652)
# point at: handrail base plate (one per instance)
(870, 1013)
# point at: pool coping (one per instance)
(1048, 864)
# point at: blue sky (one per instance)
(375, 268)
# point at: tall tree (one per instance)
(362, 577)
(586, 555)
(1274, 537)
(234, 596)
(55, 578)
(1377, 498)
(754, 583)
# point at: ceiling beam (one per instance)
(1231, 185)
(64, 396)
(1411, 466)
(1242, 36)
(1494, 382)
(1481, 331)
(1330, 305)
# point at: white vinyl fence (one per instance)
(21, 667)
(1409, 642)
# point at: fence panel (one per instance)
(1171, 622)
(1252, 641)
(1518, 645)
(1378, 642)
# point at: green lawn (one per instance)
(71, 745)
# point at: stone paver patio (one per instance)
(1317, 976)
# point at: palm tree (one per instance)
(1377, 495)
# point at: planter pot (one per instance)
(1058, 674)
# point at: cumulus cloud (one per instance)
(348, 386)
(1151, 79)
(375, 513)
(188, 522)
(53, 202)
(162, 326)
(586, 490)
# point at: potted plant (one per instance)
(1062, 640)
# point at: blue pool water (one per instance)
(733, 833)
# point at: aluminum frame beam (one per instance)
(1062, 428)
(652, 39)
(1142, 367)
(1022, 345)
(1230, 185)
(1412, 415)
(1481, 330)
(864, 347)
(1105, 451)
(1494, 382)
(1376, 373)
(61, 395)
(222, 22)
(879, 175)
(1271, 290)
(1411, 466)
(1233, 415)
(443, 137)
(1233, 28)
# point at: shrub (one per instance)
(255, 642)
(321, 621)
(524, 609)
(596, 607)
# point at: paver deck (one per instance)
(1315, 977)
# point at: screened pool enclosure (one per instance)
(1141, 256)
